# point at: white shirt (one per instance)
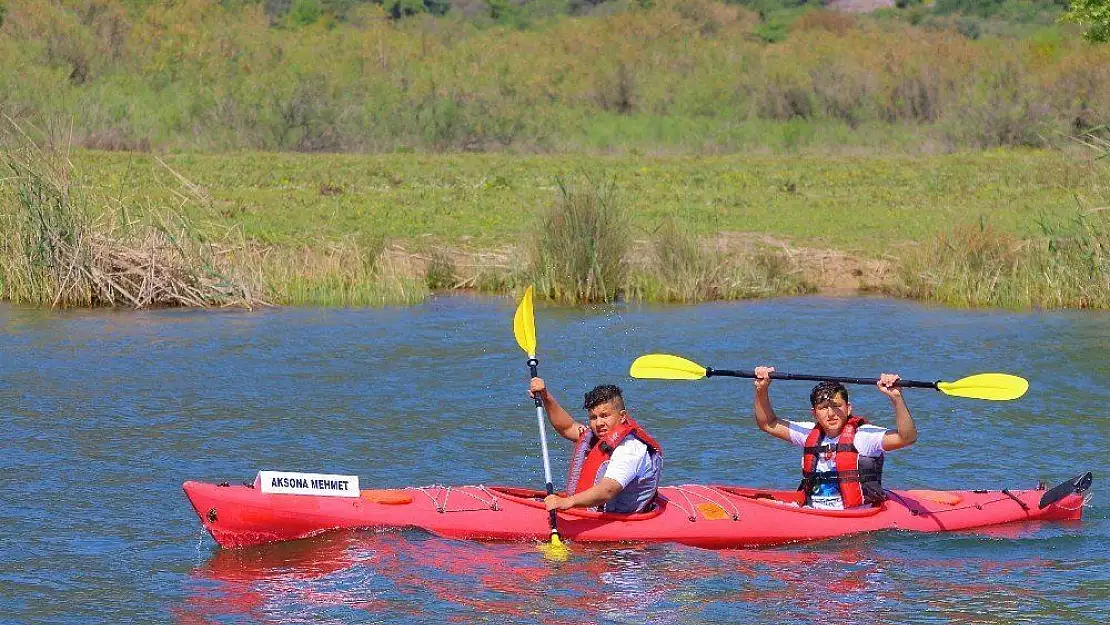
(868, 442)
(630, 460)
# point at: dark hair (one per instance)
(602, 394)
(824, 391)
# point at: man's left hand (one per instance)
(887, 385)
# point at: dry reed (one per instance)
(62, 252)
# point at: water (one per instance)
(106, 414)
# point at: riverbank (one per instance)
(381, 229)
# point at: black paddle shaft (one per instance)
(534, 368)
(552, 519)
(709, 373)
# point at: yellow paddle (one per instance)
(524, 327)
(992, 386)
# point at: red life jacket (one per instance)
(590, 452)
(859, 478)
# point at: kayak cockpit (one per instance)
(534, 498)
(794, 499)
(694, 499)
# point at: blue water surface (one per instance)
(107, 413)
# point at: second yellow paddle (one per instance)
(991, 386)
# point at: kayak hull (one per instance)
(715, 517)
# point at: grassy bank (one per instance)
(867, 205)
(69, 242)
(1066, 264)
(373, 229)
(63, 248)
(666, 151)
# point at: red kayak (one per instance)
(715, 517)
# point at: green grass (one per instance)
(63, 248)
(976, 266)
(580, 243)
(866, 205)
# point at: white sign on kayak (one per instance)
(290, 483)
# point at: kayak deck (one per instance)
(709, 516)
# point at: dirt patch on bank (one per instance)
(831, 272)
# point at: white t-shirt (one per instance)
(630, 460)
(868, 442)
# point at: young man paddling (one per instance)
(842, 456)
(616, 464)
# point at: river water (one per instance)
(107, 413)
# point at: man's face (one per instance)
(606, 416)
(832, 413)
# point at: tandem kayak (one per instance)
(715, 517)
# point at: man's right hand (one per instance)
(537, 388)
(763, 378)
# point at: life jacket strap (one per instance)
(817, 449)
(840, 476)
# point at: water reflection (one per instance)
(413, 577)
(354, 576)
(427, 579)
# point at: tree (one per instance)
(1095, 15)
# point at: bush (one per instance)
(441, 272)
(580, 242)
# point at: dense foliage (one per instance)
(1095, 15)
(692, 76)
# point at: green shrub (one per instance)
(1095, 15)
(441, 272)
(580, 242)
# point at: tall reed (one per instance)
(680, 267)
(60, 250)
(580, 242)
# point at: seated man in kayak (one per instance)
(842, 456)
(616, 464)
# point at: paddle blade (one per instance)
(666, 367)
(555, 550)
(1078, 485)
(992, 386)
(524, 325)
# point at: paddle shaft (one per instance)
(709, 373)
(533, 366)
